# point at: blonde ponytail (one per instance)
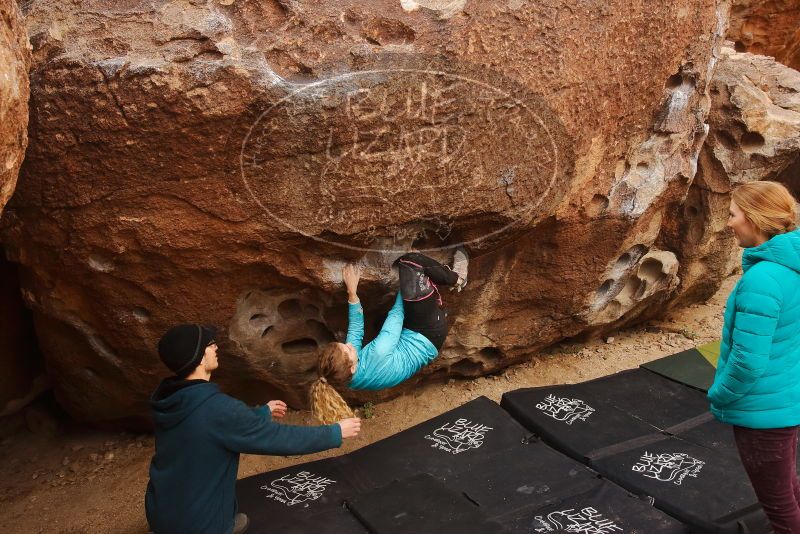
(326, 403)
(333, 367)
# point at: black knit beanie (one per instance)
(182, 347)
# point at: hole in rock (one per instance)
(739, 46)
(691, 211)
(100, 264)
(491, 353)
(640, 290)
(299, 346)
(605, 288)
(613, 309)
(211, 55)
(751, 141)
(727, 140)
(651, 270)
(257, 316)
(637, 251)
(466, 368)
(267, 330)
(622, 167)
(383, 31)
(632, 287)
(642, 165)
(630, 257)
(674, 81)
(597, 205)
(290, 308)
(141, 314)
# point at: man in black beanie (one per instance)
(200, 433)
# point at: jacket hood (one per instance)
(783, 249)
(175, 399)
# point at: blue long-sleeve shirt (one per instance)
(394, 356)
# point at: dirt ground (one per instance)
(79, 481)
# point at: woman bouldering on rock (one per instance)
(411, 337)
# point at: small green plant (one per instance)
(368, 410)
(689, 333)
(571, 349)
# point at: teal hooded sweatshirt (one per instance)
(757, 383)
(200, 432)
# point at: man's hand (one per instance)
(277, 407)
(350, 427)
(351, 273)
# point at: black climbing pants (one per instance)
(422, 304)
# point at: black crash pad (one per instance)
(603, 509)
(703, 488)
(418, 504)
(583, 419)
(479, 449)
(303, 498)
(694, 367)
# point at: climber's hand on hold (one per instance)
(351, 273)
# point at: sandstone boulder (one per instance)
(15, 60)
(768, 28)
(219, 161)
(754, 135)
(16, 351)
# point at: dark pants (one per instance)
(770, 457)
(423, 307)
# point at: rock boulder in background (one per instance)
(754, 135)
(770, 28)
(15, 61)
(17, 352)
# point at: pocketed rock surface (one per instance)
(219, 161)
(768, 28)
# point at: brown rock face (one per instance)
(15, 61)
(769, 28)
(218, 162)
(754, 135)
(22, 377)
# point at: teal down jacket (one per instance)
(392, 357)
(757, 384)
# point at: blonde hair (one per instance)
(769, 206)
(333, 368)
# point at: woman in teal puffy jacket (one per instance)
(757, 385)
